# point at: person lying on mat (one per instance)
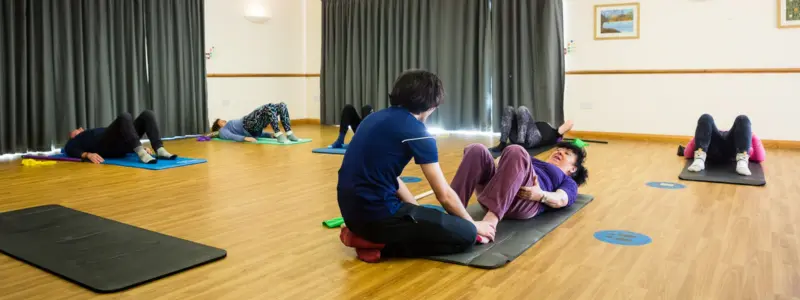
(520, 186)
(251, 126)
(517, 127)
(118, 139)
(350, 119)
(382, 217)
(738, 144)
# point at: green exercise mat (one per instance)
(268, 141)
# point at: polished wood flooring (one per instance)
(264, 204)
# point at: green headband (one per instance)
(579, 143)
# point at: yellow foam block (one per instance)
(35, 163)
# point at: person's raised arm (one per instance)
(404, 194)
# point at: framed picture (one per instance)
(788, 13)
(617, 21)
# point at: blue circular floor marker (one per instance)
(665, 185)
(622, 237)
(410, 179)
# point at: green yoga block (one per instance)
(334, 223)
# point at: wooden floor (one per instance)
(264, 205)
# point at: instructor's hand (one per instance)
(95, 158)
(485, 229)
(250, 139)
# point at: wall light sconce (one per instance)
(257, 12)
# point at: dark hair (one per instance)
(581, 173)
(215, 126)
(417, 90)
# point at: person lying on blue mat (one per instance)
(351, 120)
(251, 126)
(118, 139)
(382, 217)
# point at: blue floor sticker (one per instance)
(410, 179)
(665, 185)
(622, 237)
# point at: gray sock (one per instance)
(163, 153)
(143, 156)
(292, 137)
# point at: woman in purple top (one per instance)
(520, 186)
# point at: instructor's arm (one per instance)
(404, 194)
(444, 193)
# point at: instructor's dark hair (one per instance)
(215, 126)
(417, 90)
(581, 173)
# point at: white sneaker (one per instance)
(699, 163)
(743, 164)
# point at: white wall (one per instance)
(281, 45)
(685, 34)
(313, 56)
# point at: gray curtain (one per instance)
(76, 63)
(366, 44)
(72, 63)
(528, 60)
(177, 65)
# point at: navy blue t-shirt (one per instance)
(385, 143)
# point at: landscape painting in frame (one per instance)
(789, 13)
(617, 21)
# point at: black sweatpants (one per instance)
(351, 119)
(719, 145)
(416, 231)
(122, 136)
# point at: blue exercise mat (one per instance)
(133, 161)
(329, 150)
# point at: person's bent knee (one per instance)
(742, 119)
(148, 114)
(476, 150)
(705, 118)
(125, 116)
(515, 151)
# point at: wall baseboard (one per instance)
(678, 139)
(306, 122)
(686, 71)
(260, 75)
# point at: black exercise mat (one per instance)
(532, 151)
(725, 173)
(97, 253)
(513, 236)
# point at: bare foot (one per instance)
(491, 218)
(566, 127)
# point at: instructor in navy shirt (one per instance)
(382, 217)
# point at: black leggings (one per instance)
(723, 145)
(416, 231)
(350, 118)
(122, 136)
(518, 127)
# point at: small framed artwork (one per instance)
(788, 13)
(617, 21)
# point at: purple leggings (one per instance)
(497, 186)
